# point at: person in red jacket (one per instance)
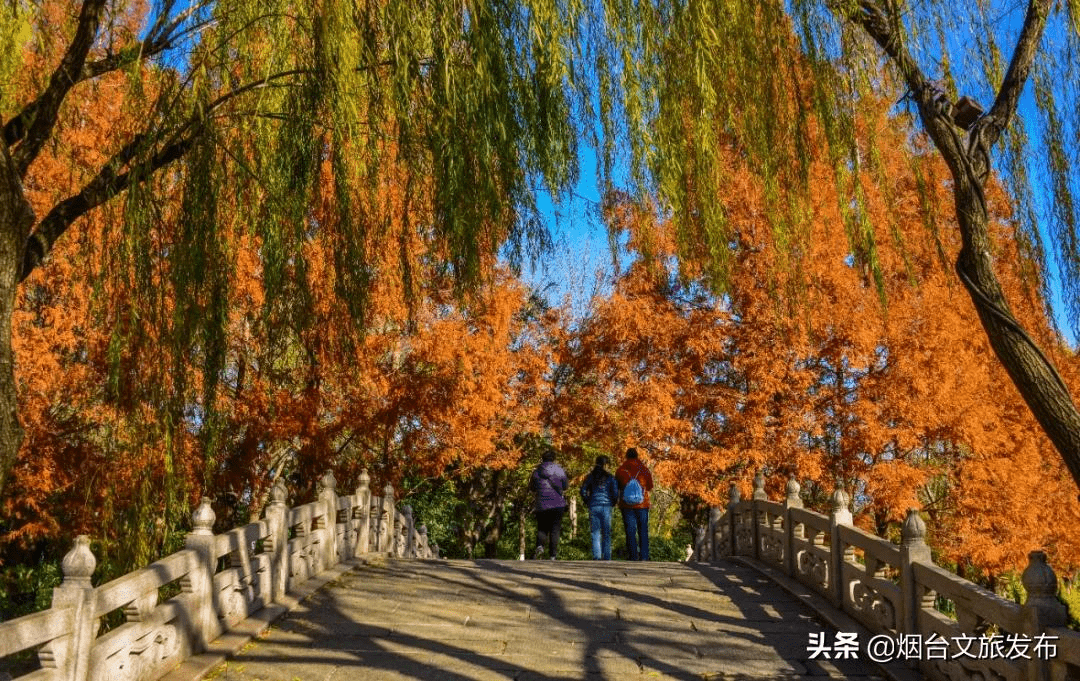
(634, 503)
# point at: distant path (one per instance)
(542, 620)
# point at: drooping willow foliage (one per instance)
(478, 105)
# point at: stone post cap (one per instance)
(793, 488)
(79, 563)
(1038, 577)
(388, 491)
(203, 518)
(364, 482)
(913, 531)
(327, 482)
(734, 495)
(279, 493)
(759, 486)
(406, 510)
(841, 500)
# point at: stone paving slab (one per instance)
(542, 621)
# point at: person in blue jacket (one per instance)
(549, 481)
(600, 491)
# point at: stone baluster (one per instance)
(200, 580)
(792, 530)
(701, 541)
(387, 536)
(913, 549)
(1042, 610)
(839, 517)
(363, 511)
(760, 516)
(328, 497)
(277, 540)
(734, 497)
(70, 655)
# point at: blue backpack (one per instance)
(633, 494)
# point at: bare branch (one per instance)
(63, 79)
(1016, 76)
(105, 185)
(162, 37)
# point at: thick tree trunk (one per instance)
(1030, 370)
(15, 221)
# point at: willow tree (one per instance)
(772, 79)
(246, 103)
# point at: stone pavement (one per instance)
(542, 621)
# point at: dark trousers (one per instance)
(636, 524)
(548, 524)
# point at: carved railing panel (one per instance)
(811, 558)
(869, 592)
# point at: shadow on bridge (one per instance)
(541, 620)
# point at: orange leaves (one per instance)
(799, 369)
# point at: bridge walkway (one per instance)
(542, 621)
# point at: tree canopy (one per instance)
(261, 168)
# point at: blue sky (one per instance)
(581, 264)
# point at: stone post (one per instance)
(387, 537)
(1042, 610)
(409, 550)
(716, 516)
(424, 550)
(363, 509)
(398, 538)
(573, 516)
(840, 517)
(201, 578)
(792, 530)
(758, 515)
(328, 497)
(277, 541)
(913, 549)
(70, 655)
(734, 497)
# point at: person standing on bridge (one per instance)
(600, 492)
(635, 483)
(549, 481)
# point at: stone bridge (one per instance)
(346, 587)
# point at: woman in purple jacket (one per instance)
(549, 481)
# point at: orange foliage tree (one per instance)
(811, 368)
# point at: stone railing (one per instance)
(892, 589)
(219, 581)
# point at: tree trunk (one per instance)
(1030, 370)
(16, 219)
